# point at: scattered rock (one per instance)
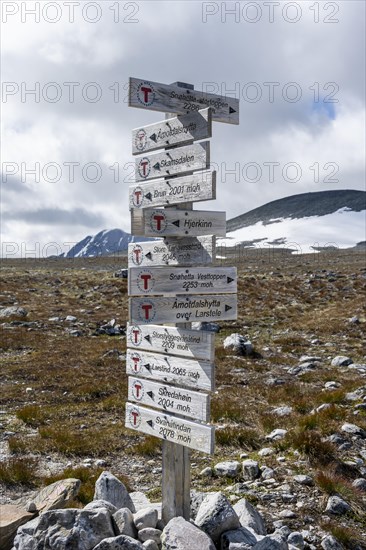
(304, 480)
(238, 344)
(330, 543)
(353, 429)
(360, 484)
(249, 517)
(209, 327)
(124, 524)
(149, 533)
(121, 274)
(279, 433)
(341, 361)
(337, 505)
(206, 472)
(296, 539)
(111, 489)
(180, 534)
(266, 451)
(96, 504)
(251, 469)
(282, 411)
(228, 468)
(237, 538)
(147, 517)
(12, 311)
(122, 542)
(216, 515)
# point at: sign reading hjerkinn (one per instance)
(154, 96)
(186, 251)
(192, 373)
(173, 399)
(178, 223)
(179, 280)
(171, 428)
(173, 131)
(183, 309)
(199, 344)
(200, 186)
(173, 161)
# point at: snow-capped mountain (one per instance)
(303, 223)
(108, 241)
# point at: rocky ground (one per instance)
(289, 410)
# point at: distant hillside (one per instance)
(304, 205)
(108, 241)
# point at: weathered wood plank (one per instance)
(154, 96)
(178, 223)
(200, 186)
(190, 373)
(171, 251)
(183, 309)
(169, 398)
(173, 161)
(170, 428)
(143, 281)
(172, 131)
(198, 344)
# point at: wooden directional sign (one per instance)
(170, 251)
(145, 94)
(173, 161)
(169, 398)
(183, 309)
(171, 428)
(179, 280)
(194, 374)
(200, 186)
(199, 344)
(178, 223)
(173, 131)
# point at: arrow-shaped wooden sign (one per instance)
(178, 223)
(173, 131)
(173, 161)
(170, 251)
(169, 398)
(181, 280)
(191, 373)
(183, 309)
(200, 186)
(145, 94)
(198, 344)
(170, 428)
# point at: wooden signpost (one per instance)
(172, 131)
(181, 98)
(200, 186)
(171, 251)
(199, 344)
(173, 161)
(178, 223)
(179, 280)
(170, 368)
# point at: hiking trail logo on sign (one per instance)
(144, 167)
(138, 390)
(134, 417)
(136, 362)
(145, 281)
(145, 93)
(141, 140)
(137, 254)
(138, 197)
(158, 221)
(135, 336)
(147, 311)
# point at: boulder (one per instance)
(330, 543)
(69, 529)
(341, 361)
(111, 489)
(57, 495)
(216, 515)
(180, 534)
(241, 537)
(147, 517)
(123, 523)
(296, 539)
(12, 311)
(251, 470)
(12, 516)
(122, 542)
(150, 545)
(249, 517)
(353, 429)
(229, 468)
(139, 500)
(95, 504)
(238, 344)
(149, 534)
(271, 542)
(337, 506)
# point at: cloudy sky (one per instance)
(298, 69)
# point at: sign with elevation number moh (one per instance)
(173, 161)
(183, 309)
(170, 251)
(154, 96)
(174, 131)
(178, 223)
(192, 373)
(178, 280)
(169, 398)
(170, 427)
(200, 186)
(198, 344)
